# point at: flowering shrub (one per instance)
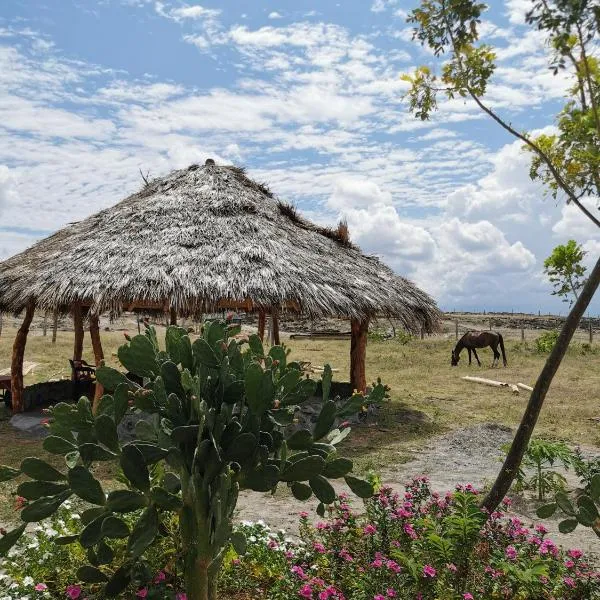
(420, 546)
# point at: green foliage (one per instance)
(565, 270)
(541, 455)
(568, 161)
(583, 512)
(545, 342)
(212, 429)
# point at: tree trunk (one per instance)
(536, 400)
(16, 369)
(54, 326)
(78, 325)
(261, 325)
(98, 357)
(358, 352)
(275, 325)
(173, 316)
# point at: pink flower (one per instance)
(40, 587)
(575, 553)
(318, 547)
(451, 567)
(142, 593)
(298, 571)
(429, 571)
(160, 576)
(378, 597)
(369, 529)
(390, 593)
(305, 591)
(304, 515)
(569, 582)
(467, 596)
(541, 529)
(181, 596)
(569, 564)
(510, 552)
(272, 545)
(409, 530)
(73, 591)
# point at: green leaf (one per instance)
(300, 440)
(322, 489)
(172, 339)
(595, 487)
(546, 511)
(204, 354)
(65, 540)
(93, 452)
(113, 527)
(325, 420)
(171, 376)
(339, 436)
(321, 509)
(32, 490)
(58, 445)
(8, 473)
(301, 491)
(89, 574)
(111, 378)
(151, 452)
(139, 356)
(92, 532)
(587, 504)
(144, 532)
(10, 539)
(278, 353)
(360, 487)
(104, 553)
(256, 346)
(124, 501)
(86, 486)
(165, 499)
(44, 507)
(106, 432)
(72, 459)
(134, 467)
(303, 469)
(121, 401)
(88, 515)
(254, 393)
(263, 479)
(36, 468)
(118, 582)
(239, 542)
(337, 468)
(144, 430)
(106, 406)
(567, 526)
(563, 502)
(242, 448)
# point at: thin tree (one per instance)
(566, 271)
(567, 163)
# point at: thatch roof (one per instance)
(203, 237)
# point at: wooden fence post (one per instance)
(456, 329)
(45, 324)
(54, 326)
(422, 332)
(522, 333)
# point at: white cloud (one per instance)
(275, 15)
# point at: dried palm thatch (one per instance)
(205, 237)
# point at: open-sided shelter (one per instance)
(201, 239)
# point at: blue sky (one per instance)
(308, 96)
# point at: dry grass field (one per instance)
(428, 396)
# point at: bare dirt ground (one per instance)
(471, 455)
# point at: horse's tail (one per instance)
(501, 340)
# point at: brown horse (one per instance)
(479, 339)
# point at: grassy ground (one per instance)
(427, 394)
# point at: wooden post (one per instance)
(54, 326)
(98, 357)
(45, 324)
(78, 325)
(16, 368)
(422, 332)
(0, 323)
(173, 316)
(275, 326)
(358, 352)
(456, 329)
(522, 333)
(261, 325)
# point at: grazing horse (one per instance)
(479, 339)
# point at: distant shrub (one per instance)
(546, 341)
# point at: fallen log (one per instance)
(493, 383)
(527, 388)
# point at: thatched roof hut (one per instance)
(204, 238)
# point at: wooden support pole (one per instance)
(98, 357)
(45, 324)
(54, 326)
(16, 368)
(78, 325)
(358, 353)
(261, 325)
(173, 316)
(0, 323)
(275, 326)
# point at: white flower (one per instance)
(252, 538)
(75, 516)
(28, 580)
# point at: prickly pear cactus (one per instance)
(219, 408)
(585, 512)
